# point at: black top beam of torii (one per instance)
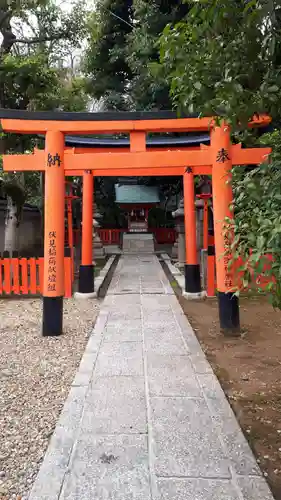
(189, 139)
(168, 141)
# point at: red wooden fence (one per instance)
(113, 236)
(24, 276)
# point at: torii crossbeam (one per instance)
(137, 162)
(57, 162)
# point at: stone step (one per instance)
(138, 243)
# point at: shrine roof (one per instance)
(136, 194)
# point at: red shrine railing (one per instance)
(113, 236)
(24, 276)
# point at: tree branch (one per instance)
(30, 41)
(120, 18)
(3, 17)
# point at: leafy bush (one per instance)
(257, 218)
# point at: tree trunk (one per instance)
(11, 227)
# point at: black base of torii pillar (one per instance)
(52, 323)
(86, 283)
(229, 313)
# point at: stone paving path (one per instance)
(146, 418)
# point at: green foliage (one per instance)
(36, 39)
(168, 187)
(157, 217)
(122, 56)
(28, 82)
(105, 59)
(105, 199)
(36, 72)
(149, 88)
(40, 25)
(257, 218)
(32, 191)
(72, 95)
(224, 59)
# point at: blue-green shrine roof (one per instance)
(137, 193)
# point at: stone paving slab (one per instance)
(185, 444)
(146, 418)
(120, 358)
(115, 405)
(254, 488)
(109, 467)
(197, 489)
(171, 375)
(157, 342)
(127, 331)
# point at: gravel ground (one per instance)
(35, 376)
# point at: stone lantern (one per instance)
(204, 189)
(205, 193)
(179, 246)
(98, 248)
(180, 243)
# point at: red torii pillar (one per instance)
(86, 272)
(222, 200)
(53, 288)
(69, 199)
(192, 267)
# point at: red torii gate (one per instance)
(216, 159)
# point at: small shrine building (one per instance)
(136, 200)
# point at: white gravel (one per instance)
(35, 376)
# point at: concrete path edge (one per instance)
(99, 281)
(179, 278)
